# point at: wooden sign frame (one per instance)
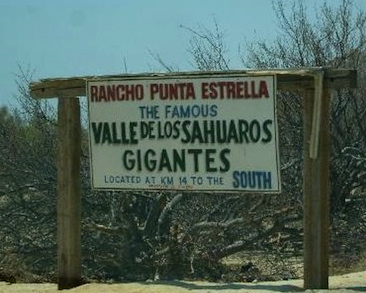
(314, 83)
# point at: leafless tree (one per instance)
(335, 37)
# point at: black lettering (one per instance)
(107, 136)
(115, 138)
(221, 131)
(209, 160)
(164, 161)
(179, 160)
(225, 161)
(254, 131)
(268, 134)
(149, 160)
(176, 130)
(133, 132)
(209, 131)
(196, 133)
(232, 135)
(124, 133)
(128, 163)
(186, 132)
(195, 153)
(97, 131)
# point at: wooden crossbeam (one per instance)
(315, 173)
(287, 79)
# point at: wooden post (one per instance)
(316, 196)
(315, 176)
(69, 200)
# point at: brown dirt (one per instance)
(354, 282)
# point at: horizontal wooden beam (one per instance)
(287, 79)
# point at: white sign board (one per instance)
(198, 133)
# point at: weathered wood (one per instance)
(69, 202)
(287, 79)
(340, 78)
(315, 173)
(316, 196)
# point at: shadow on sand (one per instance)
(229, 286)
(359, 289)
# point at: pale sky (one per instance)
(64, 38)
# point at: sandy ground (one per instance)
(355, 282)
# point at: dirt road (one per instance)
(355, 282)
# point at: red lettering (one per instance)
(190, 91)
(221, 85)
(231, 90)
(246, 94)
(102, 94)
(172, 91)
(120, 92)
(213, 94)
(254, 94)
(263, 91)
(240, 90)
(139, 92)
(129, 92)
(111, 90)
(94, 93)
(154, 89)
(204, 90)
(181, 88)
(234, 90)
